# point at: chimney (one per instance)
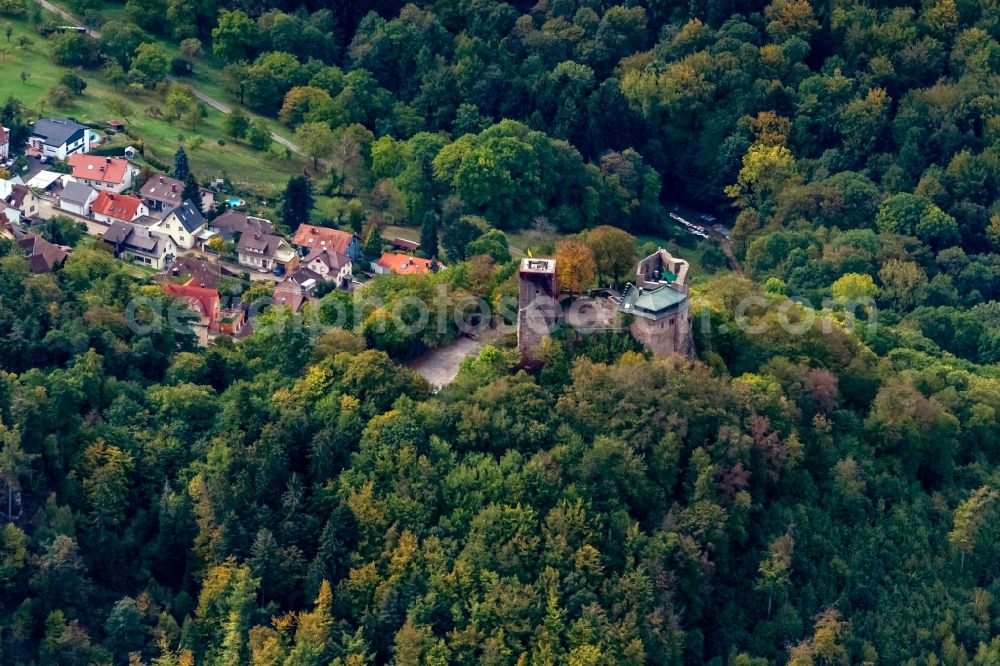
(107, 160)
(173, 187)
(161, 179)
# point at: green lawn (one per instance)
(138, 270)
(251, 172)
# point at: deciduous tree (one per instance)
(575, 265)
(614, 252)
(316, 140)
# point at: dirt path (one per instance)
(727, 248)
(210, 101)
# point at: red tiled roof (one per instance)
(404, 264)
(405, 244)
(119, 206)
(313, 237)
(288, 292)
(94, 167)
(202, 300)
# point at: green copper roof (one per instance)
(651, 303)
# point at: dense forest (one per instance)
(826, 496)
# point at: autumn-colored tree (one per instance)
(790, 18)
(575, 265)
(312, 633)
(105, 483)
(770, 129)
(775, 569)
(765, 169)
(903, 282)
(975, 513)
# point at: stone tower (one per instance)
(658, 305)
(537, 306)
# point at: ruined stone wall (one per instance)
(670, 335)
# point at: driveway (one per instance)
(48, 208)
(255, 276)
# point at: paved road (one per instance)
(210, 101)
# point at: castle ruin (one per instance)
(655, 306)
(658, 304)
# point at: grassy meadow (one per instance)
(252, 172)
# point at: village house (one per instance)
(23, 199)
(182, 224)
(7, 186)
(12, 215)
(42, 255)
(203, 301)
(233, 223)
(77, 198)
(140, 245)
(8, 214)
(59, 138)
(203, 273)
(266, 252)
(162, 194)
(193, 278)
(4, 145)
(109, 207)
(403, 264)
(111, 174)
(295, 289)
(309, 238)
(331, 266)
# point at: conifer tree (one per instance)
(181, 169)
(429, 235)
